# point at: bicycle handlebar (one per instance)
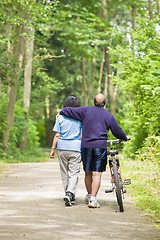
(117, 140)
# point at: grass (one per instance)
(43, 156)
(145, 187)
(37, 156)
(2, 166)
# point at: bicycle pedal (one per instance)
(109, 190)
(127, 181)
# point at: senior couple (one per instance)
(81, 132)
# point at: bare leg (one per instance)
(96, 182)
(88, 182)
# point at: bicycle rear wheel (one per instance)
(118, 188)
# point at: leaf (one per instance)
(147, 86)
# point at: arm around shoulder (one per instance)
(73, 112)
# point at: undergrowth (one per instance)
(145, 184)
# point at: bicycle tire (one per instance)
(118, 188)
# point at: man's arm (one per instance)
(117, 131)
(55, 140)
(73, 112)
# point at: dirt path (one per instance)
(31, 208)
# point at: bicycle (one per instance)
(117, 183)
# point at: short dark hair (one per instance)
(100, 104)
(72, 101)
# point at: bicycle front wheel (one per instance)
(118, 188)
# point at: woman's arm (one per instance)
(55, 140)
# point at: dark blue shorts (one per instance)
(94, 159)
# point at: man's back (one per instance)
(96, 122)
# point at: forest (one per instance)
(53, 48)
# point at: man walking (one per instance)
(96, 122)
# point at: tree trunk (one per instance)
(101, 70)
(84, 85)
(105, 16)
(133, 14)
(106, 83)
(0, 88)
(18, 52)
(150, 9)
(105, 12)
(27, 83)
(49, 121)
(108, 73)
(86, 88)
(158, 8)
(51, 106)
(92, 74)
(110, 84)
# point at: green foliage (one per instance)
(80, 26)
(66, 31)
(150, 151)
(17, 130)
(144, 186)
(2, 166)
(42, 133)
(139, 78)
(26, 157)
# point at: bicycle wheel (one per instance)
(117, 188)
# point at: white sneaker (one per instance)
(93, 204)
(87, 198)
(67, 199)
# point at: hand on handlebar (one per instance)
(128, 138)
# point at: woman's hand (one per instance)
(52, 154)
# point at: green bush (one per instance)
(16, 134)
(144, 188)
(150, 151)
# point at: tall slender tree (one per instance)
(150, 9)
(27, 82)
(108, 68)
(158, 8)
(18, 53)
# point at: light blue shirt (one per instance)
(70, 130)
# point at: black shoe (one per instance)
(73, 198)
(68, 198)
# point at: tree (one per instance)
(150, 9)
(27, 82)
(18, 53)
(139, 76)
(19, 19)
(158, 9)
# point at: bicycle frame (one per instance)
(116, 180)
